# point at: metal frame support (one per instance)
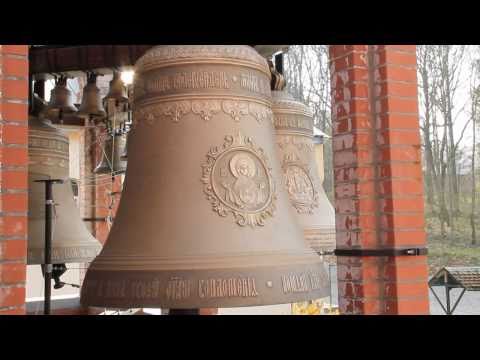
(184, 312)
(48, 268)
(448, 310)
(382, 252)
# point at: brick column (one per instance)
(13, 177)
(378, 178)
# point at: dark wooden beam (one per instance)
(74, 59)
(71, 60)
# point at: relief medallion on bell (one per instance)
(298, 180)
(238, 180)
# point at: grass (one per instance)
(441, 255)
(455, 250)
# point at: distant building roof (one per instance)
(462, 277)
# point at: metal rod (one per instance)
(30, 93)
(48, 242)
(330, 282)
(447, 295)
(184, 312)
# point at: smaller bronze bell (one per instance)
(117, 90)
(61, 102)
(91, 100)
(48, 151)
(37, 106)
(113, 149)
(294, 133)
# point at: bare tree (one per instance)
(428, 85)
(475, 99)
(449, 61)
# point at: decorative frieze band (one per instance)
(206, 109)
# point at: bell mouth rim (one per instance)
(221, 288)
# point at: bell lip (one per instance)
(164, 55)
(156, 285)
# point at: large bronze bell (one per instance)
(112, 152)
(48, 159)
(91, 99)
(61, 102)
(204, 221)
(294, 131)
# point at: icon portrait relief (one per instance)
(238, 180)
(245, 182)
(299, 184)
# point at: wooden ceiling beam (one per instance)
(71, 60)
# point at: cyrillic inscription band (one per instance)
(220, 288)
(293, 283)
(189, 80)
(295, 122)
(204, 80)
(178, 288)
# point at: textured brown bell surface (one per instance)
(117, 90)
(61, 102)
(204, 220)
(48, 159)
(91, 99)
(112, 151)
(294, 132)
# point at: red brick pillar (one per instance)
(378, 178)
(13, 177)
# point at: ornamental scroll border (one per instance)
(206, 109)
(243, 218)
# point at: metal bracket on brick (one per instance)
(382, 252)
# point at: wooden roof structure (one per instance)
(70, 60)
(458, 277)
